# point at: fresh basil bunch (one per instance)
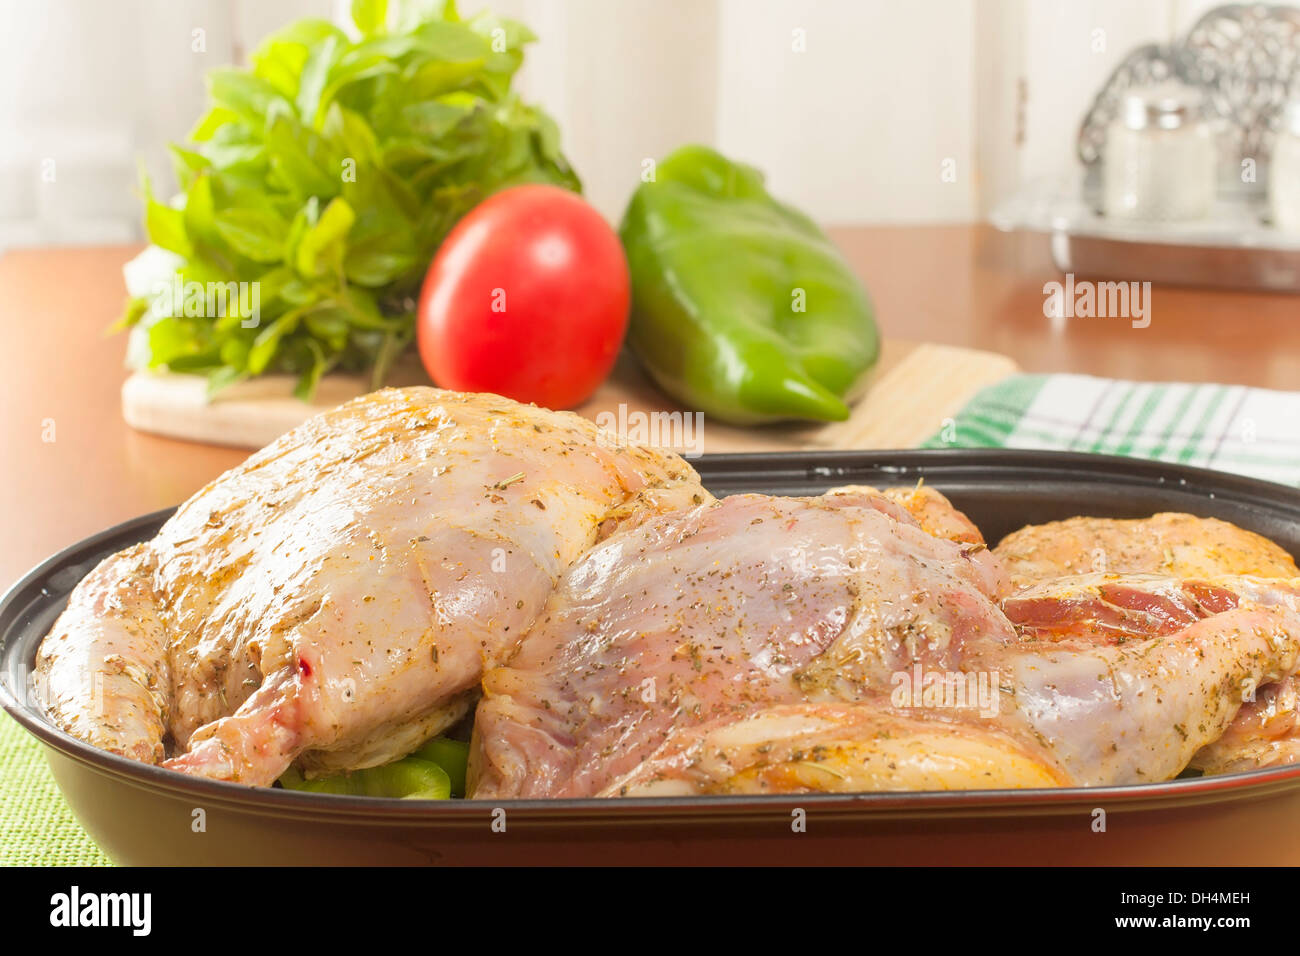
(324, 179)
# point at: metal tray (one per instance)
(1233, 248)
(142, 814)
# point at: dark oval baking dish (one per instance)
(146, 815)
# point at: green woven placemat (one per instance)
(36, 826)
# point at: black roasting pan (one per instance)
(146, 815)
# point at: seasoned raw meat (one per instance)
(1178, 545)
(697, 620)
(331, 601)
(760, 644)
(1267, 730)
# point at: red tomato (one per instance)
(528, 298)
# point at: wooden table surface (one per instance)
(73, 467)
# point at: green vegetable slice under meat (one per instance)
(434, 772)
(742, 307)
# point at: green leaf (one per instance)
(187, 164)
(199, 362)
(280, 63)
(220, 379)
(246, 95)
(268, 341)
(452, 41)
(358, 308)
(352, 70)
(265, 298)
(412, 13)
(228, 157)
(172, 338)
(322, 245)
(306, 33)
(330, 326)
(435, 119)
(376, 265)
(234, 352)
(296, 292)
(309, 379)
(303, 220)
(392, 47)
(548, 139)
(370, 16)
(351, 134)
(438, 76)
(166, 228)
(198, 212)
(389, 347)
(132, 312)
(280, 58)
(214, 119)
(311, 84)
(272, 285)
(299, 159)
(200, 270)
(258, 234)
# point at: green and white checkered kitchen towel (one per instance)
(1250, 431)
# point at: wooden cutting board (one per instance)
(913, 389)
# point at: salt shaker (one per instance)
(1160, 156)
(1284, 171)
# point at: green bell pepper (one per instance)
(741, 307)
